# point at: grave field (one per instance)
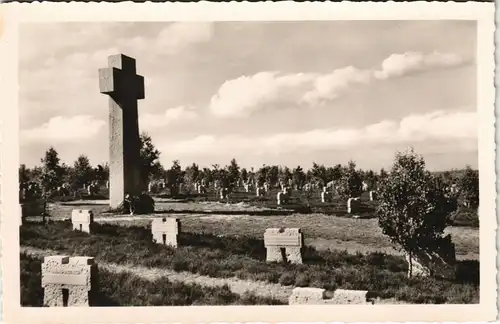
(238, 259)
(335, 231)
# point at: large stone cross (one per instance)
(124, 87)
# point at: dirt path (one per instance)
(237, 286)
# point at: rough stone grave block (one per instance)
(347, 296)
(307, 295)
(353, 205)
(437, 263)
(318, 296)
(165, 230)
(81, 219)
(76, 274)
(289, 239)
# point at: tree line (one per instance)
(348, 180)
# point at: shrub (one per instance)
(287, 279)
(412, 211)
(468, 185)
(302, 280)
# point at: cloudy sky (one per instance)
(265, 93)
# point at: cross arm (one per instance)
(140, 87)
(107, 80)
(113, 81)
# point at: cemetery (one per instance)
(136, 234)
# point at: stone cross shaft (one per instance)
(124, 87)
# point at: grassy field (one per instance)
(244, 257)
(126, 289)
(321, 231)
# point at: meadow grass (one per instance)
(127, 289)
(244, 257)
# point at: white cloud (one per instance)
(64, 129)
(330, 86)
(181, 34)
(242, 96)
(456, 127)
(171, 115)
(398, 65)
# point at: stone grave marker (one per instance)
(318, 296)
(124, 87)
(280, 198)
(68, 281)
(373, 195)
(165, 230)
(353, 205)
(283, 244)
(223, 193)
(325, 197)
(81, 219)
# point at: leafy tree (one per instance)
(174, 177)
(285, 174)
(216, 172)
(82, 173)
(319, 172)
(244, 174)
(371, 179)
(413, 211)
(383, 174)
(150, 166)
(24, 175)
(206, 174)
(468, 185)
(262, 175)
(299, 177)
(233, 171)
(192, 174)
(447, 177)
(52, 172)
(101, 172)
(225, 178)
(350, 184)
(273, 175)
(334, 173)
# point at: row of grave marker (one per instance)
(165, 230)
(73, 275)
(69, 281)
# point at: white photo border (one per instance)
(14, 14)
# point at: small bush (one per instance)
(287, 279)
(302, 280)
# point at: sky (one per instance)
(286, 93)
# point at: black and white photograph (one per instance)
(250, 163)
